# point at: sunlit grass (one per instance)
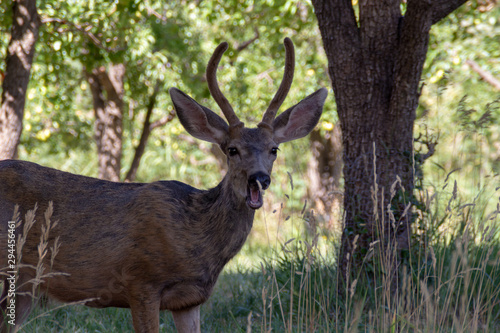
(285, 278)
(287, 282)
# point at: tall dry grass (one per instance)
(449, 281)
(41, 274)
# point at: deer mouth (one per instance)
(257, 183)
(254, 197)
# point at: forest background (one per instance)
(285, 277)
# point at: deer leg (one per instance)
(187, 321)
(4, 326)
(145, 314)
(24, 301)
(23, 308)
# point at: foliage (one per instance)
(172, 41)
(456, 104)
(451, 282)
(167, 42)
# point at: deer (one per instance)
(151, 246)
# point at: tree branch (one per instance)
(338, 24)
(247, 43)
(410, 58)
(112, 82)
(442, 8)
(342, 43)
(139, 150)
(486, 76)
(146, 131)
(162, 121)
(84, 30)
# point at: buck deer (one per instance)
(157, 246)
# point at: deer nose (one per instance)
(262, 178)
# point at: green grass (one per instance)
(285, 278)
(287, 282)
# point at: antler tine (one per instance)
(285, 85)
(213, 86)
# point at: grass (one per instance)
(285, 278)
(450, 283)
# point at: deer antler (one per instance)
(286, 83)
(213, 86)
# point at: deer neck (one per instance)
(228, 207)
(225, 218)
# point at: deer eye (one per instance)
(274, 151)
(232, 151)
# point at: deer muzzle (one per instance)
(257, 183)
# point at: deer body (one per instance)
(155, 246)
(155, 233)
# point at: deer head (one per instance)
(250, 152)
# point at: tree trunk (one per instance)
(375, 64)
(324, 172)
(146, 131)
(20, 53)
(107, 94)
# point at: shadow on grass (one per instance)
(456, 288)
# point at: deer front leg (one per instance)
(24, 301)
(187, 321)
(145, 314)
(23, 307)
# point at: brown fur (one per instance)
(121, 241)
(148, 247)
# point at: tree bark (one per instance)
(107, 95)
(375, 64)
(20, 53)
(324, 172)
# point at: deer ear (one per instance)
(199, 121)
(299, 120)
